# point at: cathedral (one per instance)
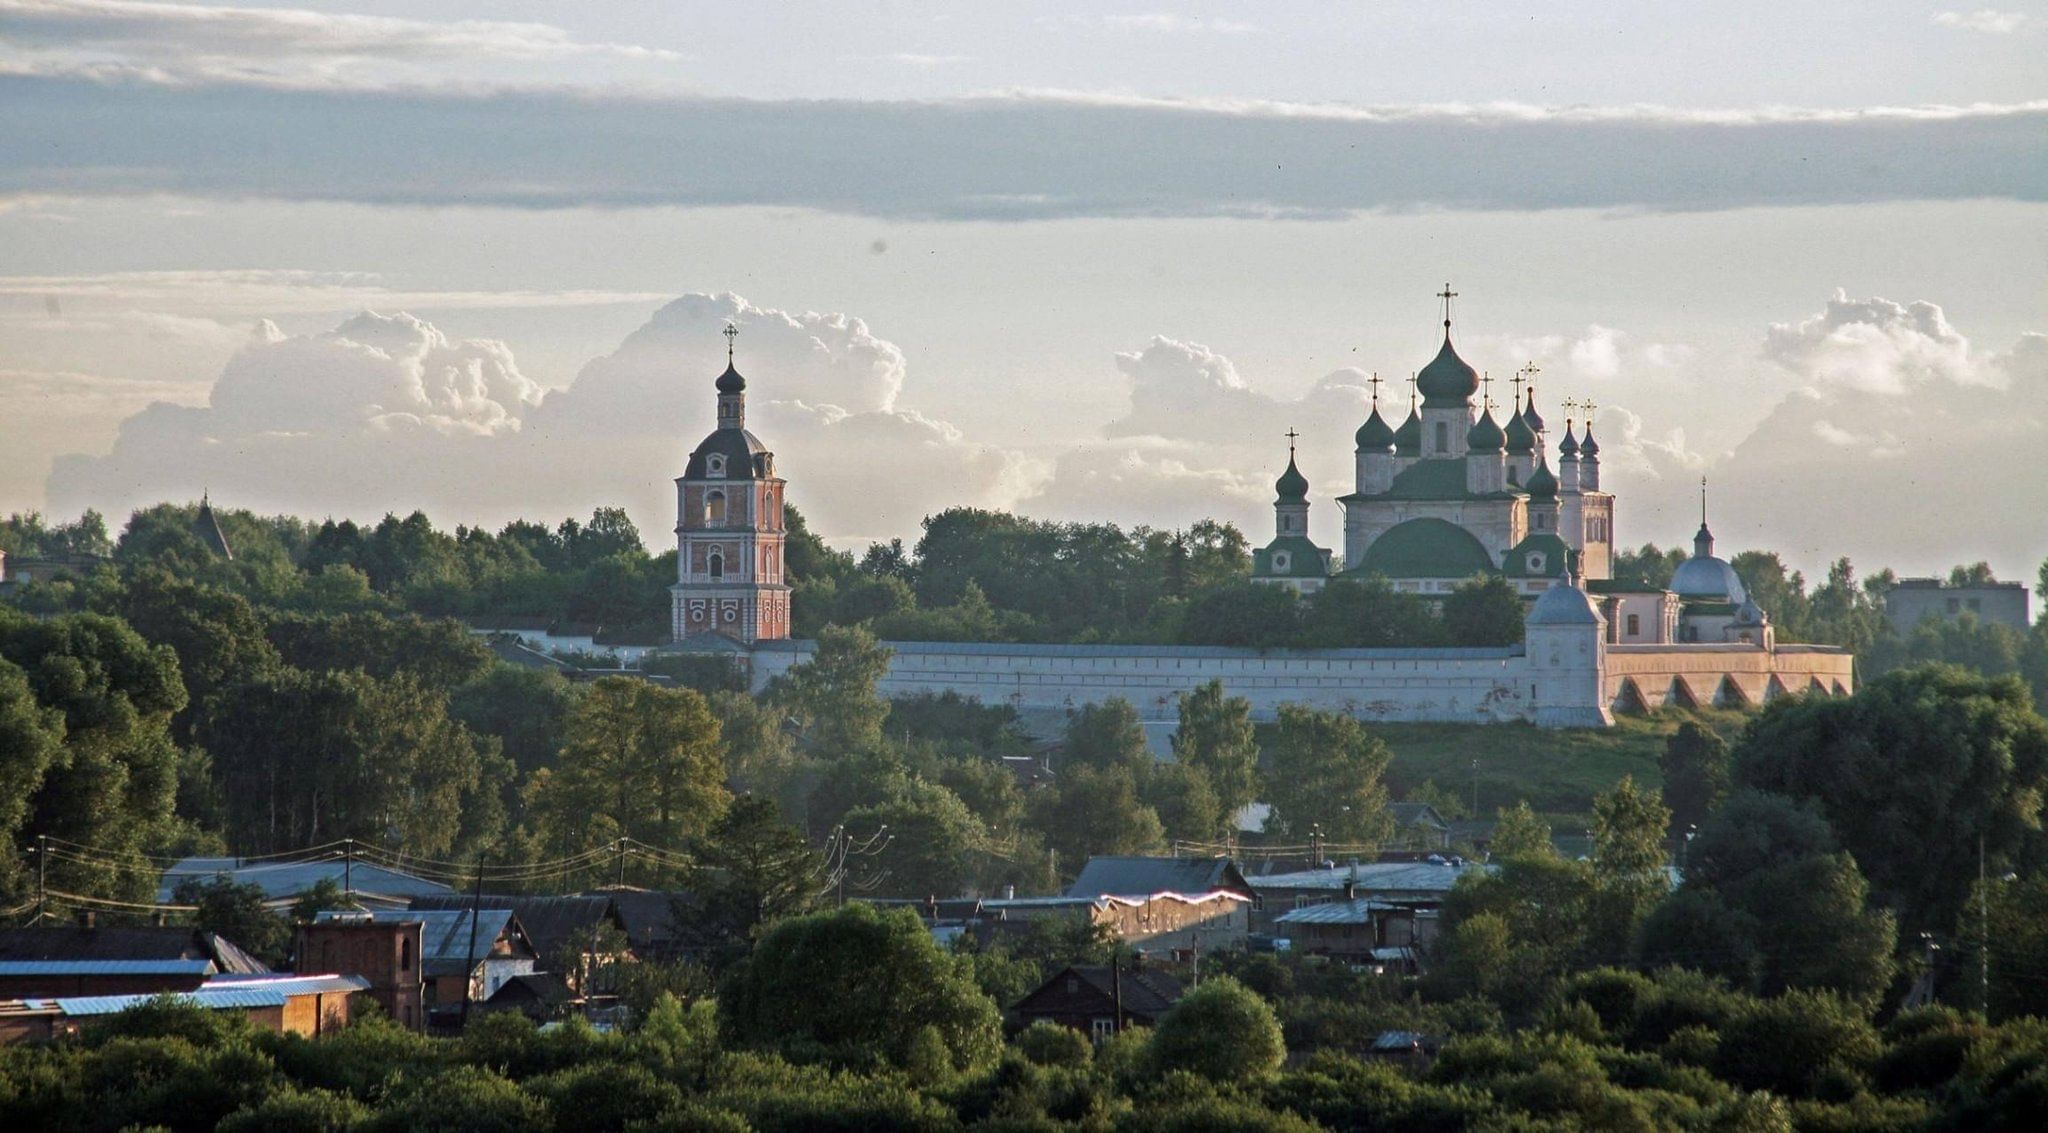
(1458, 491)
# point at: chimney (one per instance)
(1009, 893)
(85, 918)
(1350, 889)
(931, 907)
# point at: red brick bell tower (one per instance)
(729, 530)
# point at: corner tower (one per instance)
(729, 529)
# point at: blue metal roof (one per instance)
(209, 998)
(1335, 913)
(199, 967)
(287, 985)
(1374, 877)
(286, 880)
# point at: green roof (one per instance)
(1305, 559)
(1426, 548)
(1552, 552)
(1447, 380)
(1437, 478)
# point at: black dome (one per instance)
(730, 381)
(746, 458)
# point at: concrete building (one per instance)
(1914, 600)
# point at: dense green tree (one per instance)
(439, 653)
(1776, 588)
(2013, 919)
(1484, 611)
(832, 695)
(217, 635)
(1369, 613)
(31, 736)
(1326, 770)
(761, 755)
(1628, 862)
(1245, 614)
(1219, 1032)
(1694, 928)
(1108, 734)
(936, 845)
(1915, 772)
(638, 761)
(887, 981)
(751, 869)
(1215, 738)
(1095, 810)
(1787, 1045)
(112, 782)
(1186, 804)
(1521, 833)
(304, 758)
(1695, 766)
(1530, 921)
(235, 910)
(526, 709)
(1646, 566)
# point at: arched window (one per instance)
(716, 566)
(714, 507)
(1443, 437)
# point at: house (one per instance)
(579, 936)
(465, 955)
(86, 959)
(1359, 930)
(1030, 771)
(1099, 1000)
(384, 953)
(1164, 904)
(284, 882)
(540, 996)
(649, 918)
(1419, 886)
(1418, 826)
(299, 1005)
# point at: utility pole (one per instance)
(1983, 934)
(469, 967)
(42, 871)
(1116, 986)
(348, 869)
(1475, 788)
(622, 863)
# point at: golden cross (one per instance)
(731, 331)
(1447, 295)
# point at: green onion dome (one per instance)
(1568, 448)
(1408, 438)
(1292, 486)
(1530, 417)
(1520, 438)
(1484, 436)
(1375, 435)
(1589, 449)
(1447, 381)
(1542, 484)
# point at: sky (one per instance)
(1081, 261)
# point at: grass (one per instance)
(1558, 771)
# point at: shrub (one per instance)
(1222, 1032)
(1049, 1044)
(1786, 1044)
(466, 1099)
(298, 1111)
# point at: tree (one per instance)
(1369, 613)
(526, 709)
(1095, 810)
(235, 910)
(1914, 773)
(1628, 861)
(1108, 734)
(30, 738)
(1185, 802)
(1521, 833)
(638, 761)
(751, 869)
(1326, 771)
(853, 987)
(1219, 1032)
(833, 694)
(1215, 738)
(1246, 614)
(936, 844)
(1484, 612)
(2017, 932)
(302, 758)
(440, 653)
(1695, 765)
(217, 635)
(1694, 928)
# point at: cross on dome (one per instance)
(1374, 382)
(1447, 295)
(731, 332)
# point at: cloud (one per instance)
(1990, 21)
(1011, 156)
(387, 412)
(1163, 22)
(1874, 345)
(283, 291)
(194, 43)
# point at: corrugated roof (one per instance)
(444, 934)
(1335, 913)
(1375, 877)
(1136, 878)
(287, 880)
(551, 923)
(289, 985)
(121, 942)
(217, 999)
(156, 967)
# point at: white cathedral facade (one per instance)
(1450, 494)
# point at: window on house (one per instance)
(405, 955)
(1101, 1029)
(716, 565)
(1635, 625)
(714, 508)
(1443, 437)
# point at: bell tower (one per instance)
(729, 529)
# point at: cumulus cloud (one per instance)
(1008, 156)
(1874, 345)
(1990, 21)
(387, 412)
(187, 43)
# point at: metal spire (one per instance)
(1447, 295)
(1374, 382)
(731, 331)
(1291, 434)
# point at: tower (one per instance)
(1291, 559)
(729, 529)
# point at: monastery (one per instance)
(1453, 492)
